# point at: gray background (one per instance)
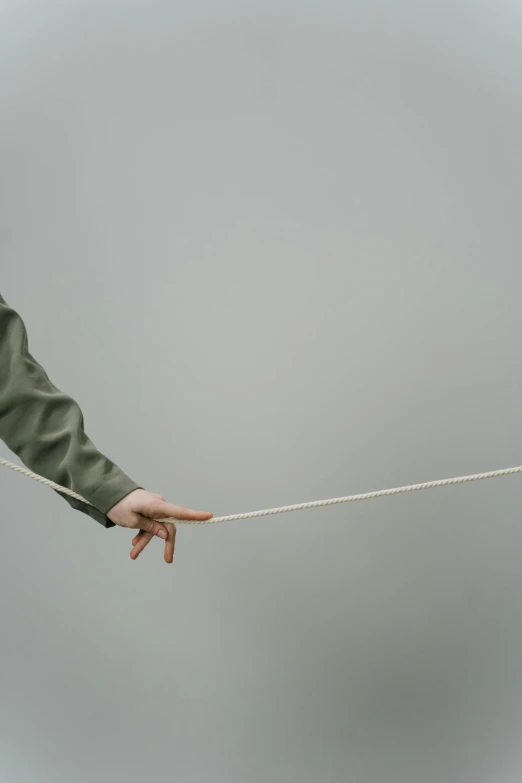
(274, 251)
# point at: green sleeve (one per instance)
(45, 427)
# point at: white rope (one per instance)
(297, 506)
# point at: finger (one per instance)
(170, 544)
(137, 537)
(163, 510)
(141, 543)
(154, 527)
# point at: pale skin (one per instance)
(141, 510)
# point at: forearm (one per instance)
(45, 427)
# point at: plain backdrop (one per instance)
(273, 249)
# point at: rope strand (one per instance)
(285, 509)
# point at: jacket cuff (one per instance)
(90, 511)
(103, 499)
(111, 491)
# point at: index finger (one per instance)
(166, 510)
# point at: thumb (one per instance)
(153, 527)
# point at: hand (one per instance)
(141, 510)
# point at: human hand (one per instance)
(141, 510)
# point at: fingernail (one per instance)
(162, 534)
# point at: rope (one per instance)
(297, 506)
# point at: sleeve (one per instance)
(44, 427)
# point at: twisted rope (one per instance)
(296, 507)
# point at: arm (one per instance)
(45, 427)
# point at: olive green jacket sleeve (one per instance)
(45, 427)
